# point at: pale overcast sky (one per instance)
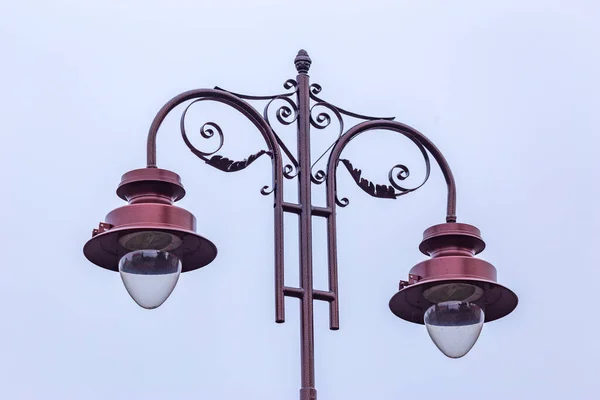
(508, 90)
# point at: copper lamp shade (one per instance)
(452, 273)
(150, 220)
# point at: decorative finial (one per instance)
(302, 62)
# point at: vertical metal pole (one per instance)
(307, 349)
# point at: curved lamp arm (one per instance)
(220, 96)
(383, 191)
(417, 137)
(207, 131)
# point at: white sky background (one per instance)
(507, 89)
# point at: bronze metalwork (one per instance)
(151, 193)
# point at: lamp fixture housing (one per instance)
(453, 273)
(150, 221)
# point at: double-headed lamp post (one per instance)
(150, 241)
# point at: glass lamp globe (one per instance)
(454, 326)
(149, 276)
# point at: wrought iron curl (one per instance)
(397, 174)
(267, 190)
(343, 202)
(207, 131)
(290, 171)
(315, 89)
(289, 84)
(321, 121)
(286, 114)
(403, 173)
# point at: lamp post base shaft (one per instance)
(308, 394)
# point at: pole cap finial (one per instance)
(302, 62)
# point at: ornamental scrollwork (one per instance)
(396, 175)
(321, 120)
(207, 131)
(286, 114)
(398, 172)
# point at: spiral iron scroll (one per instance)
(321, 121)
(208, 131)
(286, 114)
(397, 174)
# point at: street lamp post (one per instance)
(150, 241)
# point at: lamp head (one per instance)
(452, 287)
(149, 239)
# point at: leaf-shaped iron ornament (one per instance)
(375, 190)
(286, 114)
(227, 165)
(213, 130)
